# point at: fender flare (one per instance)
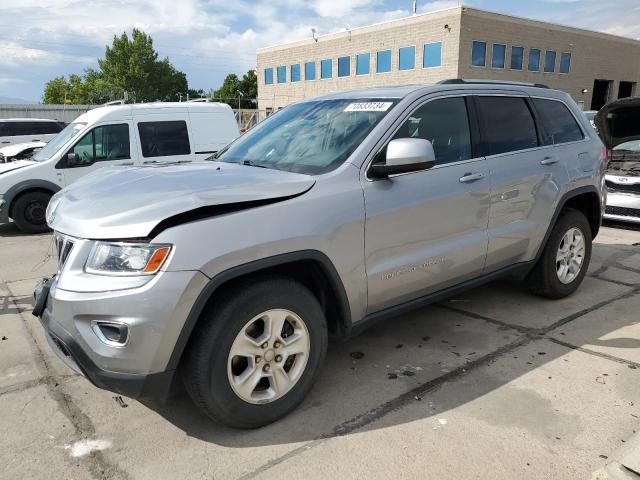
(31, 184)
(561, 204)
(255, 266)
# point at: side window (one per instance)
(38, 128)
(163, 139)
(507, 124)
(105, 143)
(84, 150)
(4, 129)
(559, 126)
(445, 124)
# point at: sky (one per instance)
(207, 39)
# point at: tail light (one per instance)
(605, 154)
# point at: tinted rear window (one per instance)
(558, 124)
(35, 128)
(160, 139)
(507, 124)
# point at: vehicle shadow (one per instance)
(408, 358)
(10, 229)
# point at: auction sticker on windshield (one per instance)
(369, 107)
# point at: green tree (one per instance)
(55, 90)
(130, 65)
(235, 91)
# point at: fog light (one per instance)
(114, 334)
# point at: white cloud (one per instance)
(210, 38)
(14, 54)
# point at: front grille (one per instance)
(64, 245)
(623, 211)
(623, 187)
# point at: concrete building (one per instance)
(459, 42)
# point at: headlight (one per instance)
(126, 258)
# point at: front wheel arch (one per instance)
(325, 283)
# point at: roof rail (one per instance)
(463, 81)
(114, 102)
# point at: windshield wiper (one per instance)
(252, 164)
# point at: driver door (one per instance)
(101, 146)
(427, 230)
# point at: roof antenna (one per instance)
(415, 7)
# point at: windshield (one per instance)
(311, 137)
(58, 141)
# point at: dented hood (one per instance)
(116, 203)
(619, 122)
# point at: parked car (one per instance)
(328, 216)
(21, 130)
(20, 151)
(591, 115)
(619, 126)
(120, 135)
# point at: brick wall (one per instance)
(416, 31)
(594, 55)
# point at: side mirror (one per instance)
(72, 160)
(405, 155)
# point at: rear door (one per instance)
(527, 178)
(425, 231)
(103, 145)
(164, 138)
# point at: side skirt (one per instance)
(519, 269)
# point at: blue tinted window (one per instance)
(517, 58)
(407, 58)
(310, 71)
(497, 57)
(479, 54)
(565, 62)
(268, 76)
(363, 63)
(281, 72)
(326, 70)
(344, 66)
(432, 55)
(383, 61)
(534, 60)
(295, 72)
(550, 61)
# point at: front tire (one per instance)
(256, 352)
(29, 212)
(565, 258)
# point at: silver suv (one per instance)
(231, 275)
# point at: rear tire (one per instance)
(29, 211)
(215, 362)
(565, 258)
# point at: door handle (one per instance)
(548, 161)
(471, 177)
(124, 164)
(6, 141)
(35, 140)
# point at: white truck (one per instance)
(116, 135)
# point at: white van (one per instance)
(117, 135)
(21, 130)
